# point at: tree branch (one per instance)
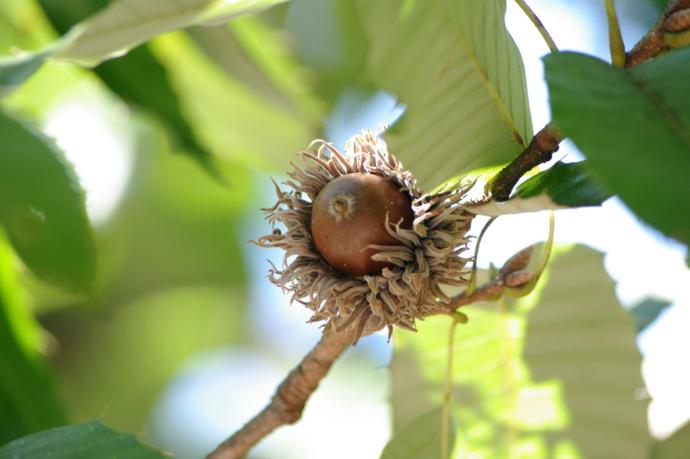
(486, 292)
(675, 20)
(288, 402)
(540, 150)
(653, 43)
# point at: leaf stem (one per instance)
(473, 277)
(508, 358)
(448, 392)
(616, 44)
(538, 24)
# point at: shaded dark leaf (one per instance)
(90, 440)
(567, 184)
(27, 398)
(42, 208)
(634, 127)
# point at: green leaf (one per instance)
(42, 208)
(232, 120)
(88, 440)
(485, 382)
(27, 398)
(567, 184)
(331, 41)
(647, 311)
(557, 370)
(634, 127)
(270, 54)
(127, 23)
(124, 24)
(420, 439)
(138, 78)
(562, 186)
(579, 335)
(674, 447)
(173, 263)
(458, 71)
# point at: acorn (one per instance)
(363, 245)
(350, 214)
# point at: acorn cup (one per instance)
(364, 247)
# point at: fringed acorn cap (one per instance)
(363, 246)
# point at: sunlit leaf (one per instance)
(138, 78)
(269, 52)
(634, 127)
(124, 24)
(460, 75)
(27, 398)
(557, 370)
(232, 120)
(42, 207)
(420, 439)
(88, 440)
(127, 23)
(581, 337)
(485, 379)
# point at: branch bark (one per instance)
(540, 150)
(653, 43)
(288, 402)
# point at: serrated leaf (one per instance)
(420, 439)
(460, 75)
(646, 312)
(88, 440)
(634, 127)
(579, 335)
(28, 402)
(558, 367)
(42, 208)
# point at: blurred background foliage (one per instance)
(178, 337)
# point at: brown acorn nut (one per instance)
(349, 214)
